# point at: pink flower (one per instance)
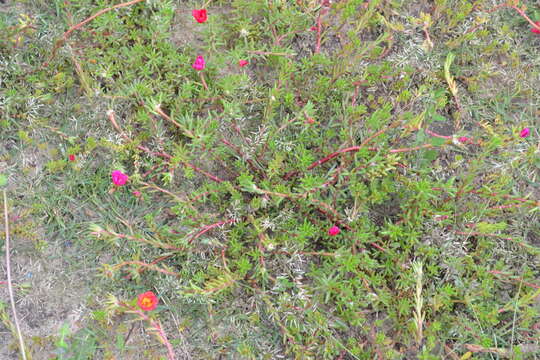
(464, 140)
(243, 63)
(535, 30)
(199, 15)
(137, 193)
(333, 231)
(526, 131)
(313, 28)
(71, 157)
(119, 178)
(440, 217)
(199, 63)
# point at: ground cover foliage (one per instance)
(399, 123)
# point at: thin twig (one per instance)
(101, 12)
(9, 282)
(60, 42)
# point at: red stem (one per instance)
(358, 147)
(520, 12)
(318, 45)
(333, 155)
(154, 262)
(156, 326)
(437, 135)
(424, 146)
(207, 228)
(242, 156)
(203, 81)
(322, 11)
(103, 11)
(164, 155)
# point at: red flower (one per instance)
(535, 30)
(71, 157)
(333, 231)
(243, 63)
(147, 301)
(199, 15)
(199, 63)
(119, 178)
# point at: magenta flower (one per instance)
(137, 193)
(199, 63)
(464, 140)
(200, 15)
(525, 133)
(333, 231)
(535, 30)
(119, 178)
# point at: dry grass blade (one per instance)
(9, 282)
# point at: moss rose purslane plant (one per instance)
(339, 193)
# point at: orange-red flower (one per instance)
(199, 15)
(147, 301)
